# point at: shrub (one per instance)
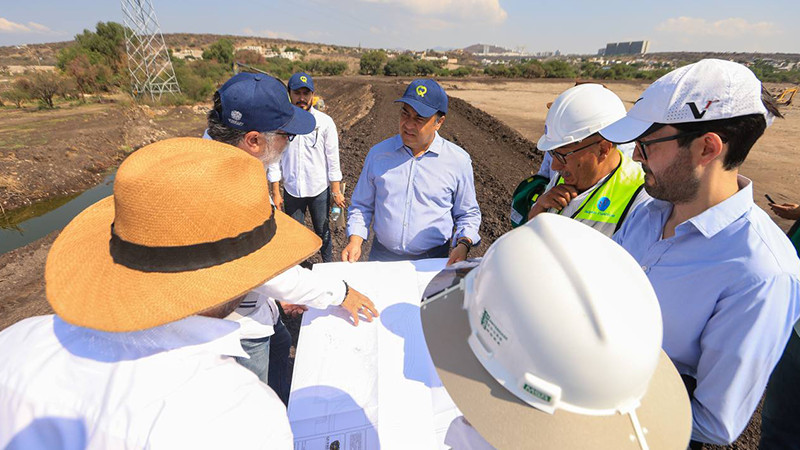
(220, 51)
(372, 62)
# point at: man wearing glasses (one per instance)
(725, 275)
(252, 112)
(593, 182)
(309, 168)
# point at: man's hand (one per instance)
(339, 200)
(277, 198)
(352, 252)
(357, 303)
(786, 210)
(458, 253)
(292, 310)
(557, 197)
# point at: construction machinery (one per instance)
(785, 97)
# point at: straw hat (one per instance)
(193, 228)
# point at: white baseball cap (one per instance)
(710, 89)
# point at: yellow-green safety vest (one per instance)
(606, 207)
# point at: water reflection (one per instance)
(30, 223)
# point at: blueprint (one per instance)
(371, 386)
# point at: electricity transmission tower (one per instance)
(148, 59)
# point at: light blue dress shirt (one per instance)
(414, 203)
(728, 287)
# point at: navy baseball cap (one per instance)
(301, 80)
(426, 97)
(256, 102)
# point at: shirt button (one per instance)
(645, 268)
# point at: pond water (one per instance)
(25, 225)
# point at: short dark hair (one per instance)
(740, 133)
(217, 130)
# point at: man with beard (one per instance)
(593, 182)
(252, 112)
(416, 188)
(309, 168)
(725, 275)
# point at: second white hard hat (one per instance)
(577, 113)
(565, 320)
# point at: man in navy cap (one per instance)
(252, 112)
(416, 188)
(309, 168)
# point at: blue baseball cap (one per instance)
(426, 97)
(256, 102)
(301, 80)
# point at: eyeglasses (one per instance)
(562, 157)
(289, 137)
(642, 145)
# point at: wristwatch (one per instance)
(466, 241)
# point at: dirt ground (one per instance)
(77, 149)
(772, 164)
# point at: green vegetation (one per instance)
(220, 51)
(96, 61)
(372, 62)
(766, 72)
(561, 69)
(405, 65)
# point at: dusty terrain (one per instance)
(50, 154)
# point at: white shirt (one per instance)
(258, 314)
(311, 161)
(172, 386)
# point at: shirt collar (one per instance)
(718, 217)
(435, 147)
(201, 334)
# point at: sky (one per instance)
(577, 27)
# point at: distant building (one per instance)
(626, 48)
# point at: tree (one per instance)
(372, 61)
(42, 85)
(402, 66)
(559, 69)
(97, 59)
(221, 51)
(249, 57)
(88, 77)
(16, 96)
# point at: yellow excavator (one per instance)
(785, 98)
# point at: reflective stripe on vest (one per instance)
(604, 208)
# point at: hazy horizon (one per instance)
(577, 27)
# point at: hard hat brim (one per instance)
(507, 422)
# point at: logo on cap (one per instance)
(236, 115)
(603, 203)
(421, 90)
(696, 112)
(304, 79)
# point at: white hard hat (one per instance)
(564, 319)
(577, 113)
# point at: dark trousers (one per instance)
(318, 207)
(780, 417)
(381, 253)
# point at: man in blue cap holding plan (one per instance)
(416, 188)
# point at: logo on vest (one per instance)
(603, 203)
(421, 91)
